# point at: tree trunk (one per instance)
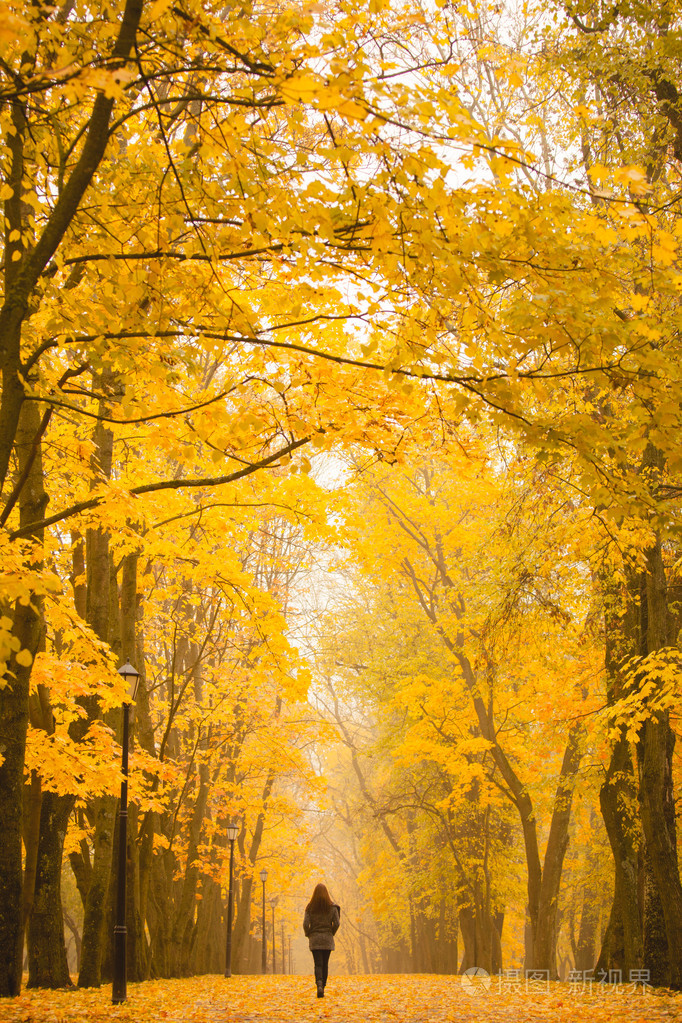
(654, 755)
(183, 925)
(98, 608)
(13, 727)
(662, 880)
(617, 799)
(209, 950)
(656, 953)
(33, 798)
(586, 951)
(157, 913)
(47, 961)
(545, 937)
(82, 868)
(243, 917)
(75, 934)
(622, 947)
(242, 925)
(95, 915)
(48, 966)
(14, 713)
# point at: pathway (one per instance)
(360, 999)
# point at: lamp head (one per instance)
(132, 678)
(263, 875)
(232, 832)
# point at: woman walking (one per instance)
(320, 924)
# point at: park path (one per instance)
(360, 999)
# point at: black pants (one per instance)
(321, 959)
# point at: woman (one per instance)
(320, 924)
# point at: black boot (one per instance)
(318, 981)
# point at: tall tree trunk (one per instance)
(20, 279)
(14, 711)
(13, 726)
(656, 953)
(242, 925)
(586, 950)
(654, 755)
(33, 798)
(545, 937)
(157, 913)
(622, 948)
(98, 609)
(95, 915)
(75, 934)
(47, 961)
(209, 950)
(243, 917)
(183, 925)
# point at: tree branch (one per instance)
(150, 488)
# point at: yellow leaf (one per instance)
(302, 88)
(158, 8)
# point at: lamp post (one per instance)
(232, 833)
(119, 991)
(273, 903)
(264, 960)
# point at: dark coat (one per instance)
(320, 928)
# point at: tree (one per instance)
(230, 240)
(115, 170)
(476, 558)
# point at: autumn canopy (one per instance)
(341, 395)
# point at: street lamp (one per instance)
(232, 832)
(273, 903)
(118, 991)
(264, 961)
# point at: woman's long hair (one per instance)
(320, 901)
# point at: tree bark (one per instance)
(586, 949)
(21, 278)
(654, 756)
(617, 795)
(95, 915)
(243, 905)
(13, 726)
(14, 714)
(47, 961)
(98, 611)
(622, 948)
(33, 798)
(545, 937)
(183, 925)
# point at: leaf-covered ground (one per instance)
(375, 999)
